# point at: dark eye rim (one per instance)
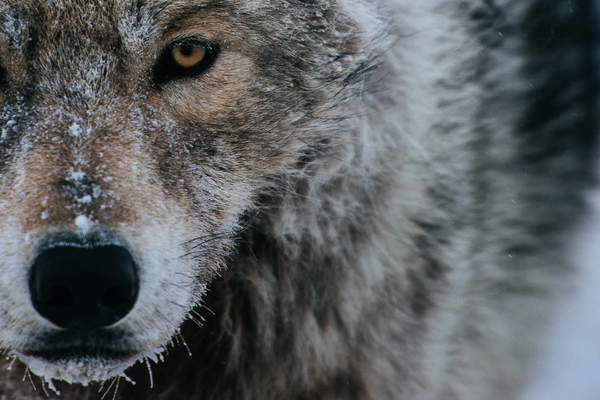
(3, 77)
(166, 69)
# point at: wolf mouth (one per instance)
(81, 354)
(68, 345)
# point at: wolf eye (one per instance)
(187, 55)
(184, 59)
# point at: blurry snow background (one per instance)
(570, 367)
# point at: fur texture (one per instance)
(355, 200)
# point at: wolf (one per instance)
(290, 199)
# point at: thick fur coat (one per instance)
(341, 199)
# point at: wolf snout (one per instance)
(83, 287)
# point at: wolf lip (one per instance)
(81, 353)
(69, 345)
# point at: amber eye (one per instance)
(188, 55)
(184, 59)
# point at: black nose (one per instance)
(84, 287)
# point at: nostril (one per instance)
(116, 296)
(60, 297)
(83, 287)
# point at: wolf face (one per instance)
(134, 136)
(354, 199)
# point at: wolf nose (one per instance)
(84, 287)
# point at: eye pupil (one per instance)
(186, 49)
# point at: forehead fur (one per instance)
(137, 24)
(131, 17)
(22, 22)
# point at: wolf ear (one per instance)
(184, 59)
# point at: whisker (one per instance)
(28, 374)
(197, 314)
(11, 363)
(108, 389)
(185, 344)
(116, 388)
(208, 309)
(44, 387)
(149, 372)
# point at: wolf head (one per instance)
(134, 135)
